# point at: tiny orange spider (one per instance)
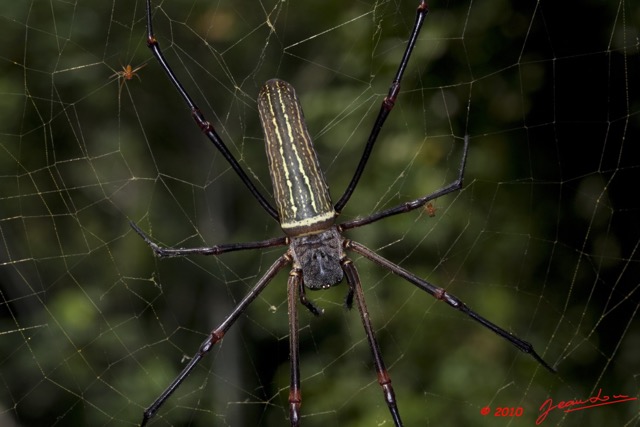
(431, 210)
(127, 73)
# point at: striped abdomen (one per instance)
(299, 187)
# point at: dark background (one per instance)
(543, 239)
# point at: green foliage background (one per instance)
(543, 239)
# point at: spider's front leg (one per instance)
(353, 280)
(216, 335)
(442, 295)
(295, 396)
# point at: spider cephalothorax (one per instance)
(318, 256)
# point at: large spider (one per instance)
(317, 247)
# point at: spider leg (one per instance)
(216, 335)
(451, 300)
(295, 397)
(163, 252)
(205, 126)
(387, 105)
(123, 81)
(413, 204)
(383, 376)
(314, 309)
(135, 71)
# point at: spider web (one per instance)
(543, 239)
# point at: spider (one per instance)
(127, 73)
(431, 210)
(317, 249)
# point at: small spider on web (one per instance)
(430, 209)
(127, 73)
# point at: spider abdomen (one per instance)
(300, 190)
